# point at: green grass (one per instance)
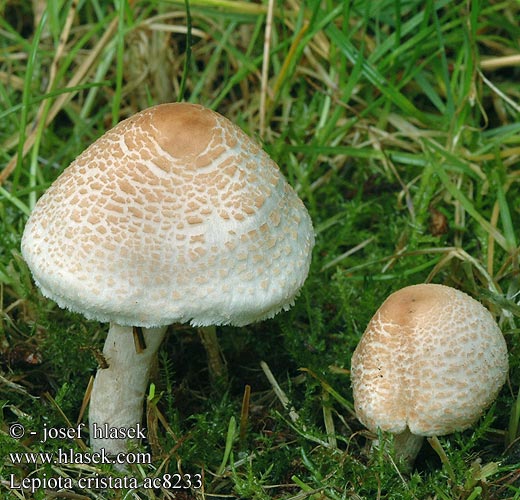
(399, 128)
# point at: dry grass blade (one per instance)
(494, 63)
(501, 94)
(79, 76)
(15, 387)
(280, 394)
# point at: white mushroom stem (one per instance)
(407, 446)
(216, 361)
(116, 401)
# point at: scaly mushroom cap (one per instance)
(431, 359)
(174, 215)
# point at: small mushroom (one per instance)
(174, 215)
(430, 361)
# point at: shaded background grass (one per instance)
(398, 124)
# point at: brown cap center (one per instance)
(185, 133)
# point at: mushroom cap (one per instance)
(431, 359)
(174, 215)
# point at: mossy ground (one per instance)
(398, 124)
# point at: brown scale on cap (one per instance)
(430, 361)
(174, 215)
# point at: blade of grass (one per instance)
(213, 62)
(450, 106)
(62, 100)
(265, 65)
(468, 206)
(15, 201)
(330, 390)
(230, 437)
(236, 6)
(373, 75)
(27, 90)
(120, 50)
(15, 108)
(505, 213)
(514, 422)
(187, 56)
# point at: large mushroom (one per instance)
(175, 215)
(430, 361)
